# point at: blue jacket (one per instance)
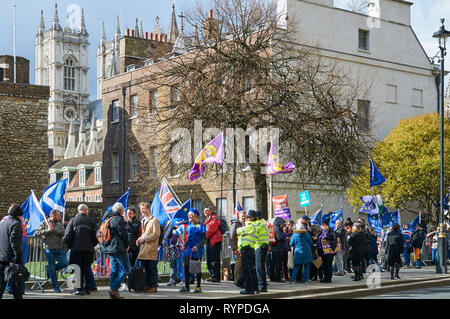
(301, 242)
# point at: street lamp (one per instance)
(442, 36)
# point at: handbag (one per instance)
(290, 262)
(317, 262)
(195, 265)
(16, 273)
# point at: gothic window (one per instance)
(69, 75)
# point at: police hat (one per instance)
(258, 214)
(251, 213)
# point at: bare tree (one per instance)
(245, 71)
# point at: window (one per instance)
(133, 165)
(115, 167)
(69, 75)
(88, 198)
(134, 106)
(417, 97)
(175, 96)
(66, 175)
(153, 101)
(82, 177)
(391, 93)
(52, 178)
(363, 40)
(221, 204)
(248, 203)
(198, 205)
(98, 175)
(363, 115)
(79, 198)
(97, 198)
(115, 111)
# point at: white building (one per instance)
(62, 64)
(384, 49)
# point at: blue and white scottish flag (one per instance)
(32, 214)
(53, 197)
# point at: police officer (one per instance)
(247, 240)
(261, 249)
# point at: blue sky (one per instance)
(425, 20)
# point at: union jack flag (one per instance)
(169, 202)
(238, 209)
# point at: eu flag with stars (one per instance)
(374, 222)
(333, 217)
(388, 219)
(316, 218)
(369, 205)
(375, 176)
(414, 223)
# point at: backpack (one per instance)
(223, 228)
(104, 235)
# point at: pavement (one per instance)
(341, 287)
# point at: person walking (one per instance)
(326, 243)
(432, 236)
(247, 239)
(213, 245)
(356, 246)
(417, 241)
(148, 244)
(80, 238)
(261, 250)
(276, 250)
(10, 247)
(406, 232)
(117, 250)
(302, 243)
(193, 248)
(373, 257)
(235, 224)
(52, 235)
(394, 248)
(341, 246)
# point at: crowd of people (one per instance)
(279, 251)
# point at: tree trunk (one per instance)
(261, 192)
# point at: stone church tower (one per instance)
(62, 64)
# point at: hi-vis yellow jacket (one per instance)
(247, 235)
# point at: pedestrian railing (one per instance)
(37, 263)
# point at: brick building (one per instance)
(24, 156)
(7, 69)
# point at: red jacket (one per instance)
(213, 233)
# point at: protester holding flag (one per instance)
(148, 244)
(52, 234)
(326, 244)
(213, 245)
(80, 237)
(406, 232)
(10, 247)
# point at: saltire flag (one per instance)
(375, 223)
(316, 219)
(123, 200)
(212, 153)
(388, 219)
(333, 217)
(369, 205)
(32, 214)
(445, 202)
(237, 211)
(53, 197)
(274, 166)
(414, 223)
(375, 176)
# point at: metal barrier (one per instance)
(37, 263)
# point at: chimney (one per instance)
(146, 35)
(211, 26)
(132, 33)
(165, 38)
(128, 32)
(151, 36)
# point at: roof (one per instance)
(74, 162)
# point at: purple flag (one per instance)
(274, 166)
(212, 153)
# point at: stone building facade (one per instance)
(7, 69)
(23, 142)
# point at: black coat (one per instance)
(342, 234)
(356, 245)
(11, 240)
(417, 238)
(280, 236)
(394, 247)
(80, 235)
(133, 227)
(119, 241)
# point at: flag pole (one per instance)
(173, 192)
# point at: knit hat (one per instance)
(15, 211)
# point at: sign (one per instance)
(281, 207)
(304, 199)
(271, 233)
